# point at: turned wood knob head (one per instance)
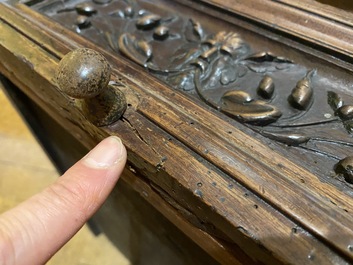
(83, 73)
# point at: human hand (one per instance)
(35, 230)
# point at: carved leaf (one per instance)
(288, 138)
(260, 68)
(148, 21)
(236, 96)
(265, 62)
(198, 30)
(117, 13)
(262, 57)
(194, 31)
(302, 95)
(237, 104)
(184, 55)
(334, 100)
(144, 48)
(138, 51)
(111, 40)
(86, 9)
(201, 64)
(102, 2)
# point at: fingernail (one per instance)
(105, 154)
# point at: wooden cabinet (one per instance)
(238, 115)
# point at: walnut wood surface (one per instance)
(140, 234)
(240, 192)
(340, 11)
(299, 23)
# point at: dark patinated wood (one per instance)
(340, 11)
(222, 254)
(142, 234)
(218, 65)
(225, 181)
(299, 23)
(84, 74)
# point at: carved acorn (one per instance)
(345, 112)
(302, 95)
(345, 168)
(83, 22)
(266, 87)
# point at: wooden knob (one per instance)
(84, 74)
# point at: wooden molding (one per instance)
(222, 178)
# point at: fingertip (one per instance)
(63, 207)
(106, 154)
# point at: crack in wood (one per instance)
(191, 217)
(139, 136)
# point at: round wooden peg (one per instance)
(84, 74)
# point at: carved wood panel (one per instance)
(278, 98)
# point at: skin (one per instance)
(35, 230)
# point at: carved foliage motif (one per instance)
(270, 94)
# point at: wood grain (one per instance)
(327, 11)
(239, 191)
(298, 23)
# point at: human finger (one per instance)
(35, 230)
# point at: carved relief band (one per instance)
(273, 95)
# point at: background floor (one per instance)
(24, 171)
